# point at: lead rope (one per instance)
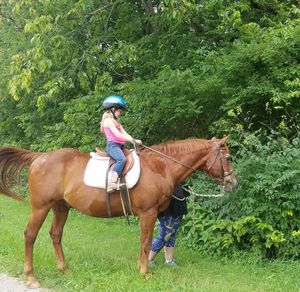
(193, 213)
(193, 195)
(202, 195)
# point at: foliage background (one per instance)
(186, 68)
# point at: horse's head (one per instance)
(218, 164)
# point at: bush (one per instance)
(262, 215)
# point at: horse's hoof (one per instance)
(32, 284)
(63, 268)
(148, 275)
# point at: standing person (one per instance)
(169, 222)
(116, 137)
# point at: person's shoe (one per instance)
(171, 263)
(151, 264)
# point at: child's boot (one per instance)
(113, 182)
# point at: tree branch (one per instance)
(105, 7)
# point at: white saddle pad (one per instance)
(97, 166)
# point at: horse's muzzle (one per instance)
(230, 183)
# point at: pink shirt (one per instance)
(110, 136)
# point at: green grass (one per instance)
(102, 256)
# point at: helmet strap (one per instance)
(113, 112)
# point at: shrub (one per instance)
(262, 215)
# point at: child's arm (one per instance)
(137, 141)
(121, 135)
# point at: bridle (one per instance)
(218, 155)
(224, 173)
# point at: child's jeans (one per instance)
(115, 150)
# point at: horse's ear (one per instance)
(223, 140)
(213, 139)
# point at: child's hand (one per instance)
(137, 141)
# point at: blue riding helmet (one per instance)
(114, 101)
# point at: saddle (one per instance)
(128, 155)
(96, 170)
(129, 173)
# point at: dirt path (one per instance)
(11, 284)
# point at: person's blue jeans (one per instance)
(115, 150)
(167, 228)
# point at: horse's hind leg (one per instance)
(60, 216)
(36, 220)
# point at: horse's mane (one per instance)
(181, 146)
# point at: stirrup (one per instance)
(114, 186)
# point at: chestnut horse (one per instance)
(55, 181)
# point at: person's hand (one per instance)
(137, 141)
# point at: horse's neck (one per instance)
(192, 154)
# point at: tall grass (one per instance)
(102, 256)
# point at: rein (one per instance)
(169, 157)
(218, 154)
(193, 193)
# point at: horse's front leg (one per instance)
(147, 220)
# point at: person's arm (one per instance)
(121, 135)
(137, 141)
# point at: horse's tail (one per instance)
(12, 161)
